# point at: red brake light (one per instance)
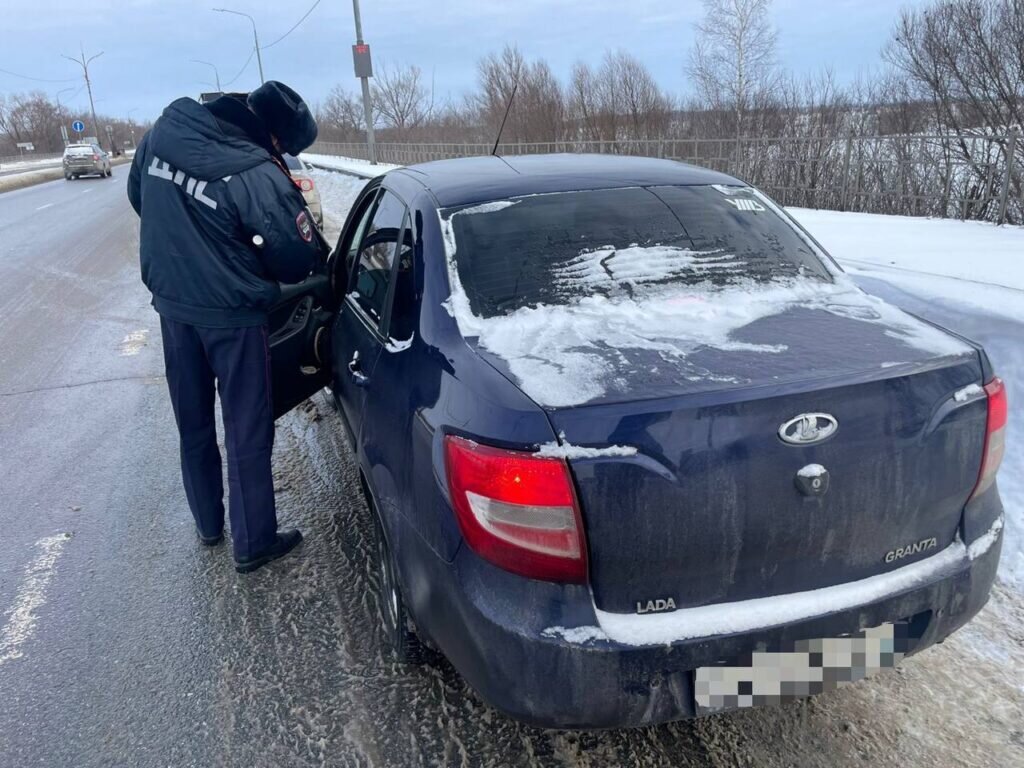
(517, 510)
(95, 157)
(995, 436)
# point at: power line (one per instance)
(38, 79)
(242, 70)
(294, 27)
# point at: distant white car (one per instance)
(300, 174)
(82, 159)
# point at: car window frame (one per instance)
(364, 205)
(379, 330)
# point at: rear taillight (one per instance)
(306, 185)
(96, 157)
(995, 436)
(517, 510)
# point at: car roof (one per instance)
(478, 179)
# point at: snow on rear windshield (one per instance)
(557, 249)
(595, 294)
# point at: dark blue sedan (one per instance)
(635, 446)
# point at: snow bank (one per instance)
(348, 165)
(987, 261)
(338, 191)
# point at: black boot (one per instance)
(286, 541)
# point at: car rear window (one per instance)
(559, 248)
(293, 163)
(79, 150)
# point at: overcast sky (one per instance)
(148, 44)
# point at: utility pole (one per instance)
(216, 73)
(364, 71)
(255, 38)
(84, 64)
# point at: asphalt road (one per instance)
(123, 643)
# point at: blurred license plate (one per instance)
(811, 667)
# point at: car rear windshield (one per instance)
(559, 248)
(79, 150)
(293, 163)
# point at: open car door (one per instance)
(298, 329)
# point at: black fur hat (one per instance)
(285, 114)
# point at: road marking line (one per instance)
(41, 207)
(31, 596)
(87, 191)
(133, 343)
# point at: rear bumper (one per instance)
(83, 167)
(521, 659)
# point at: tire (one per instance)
(399, 634)
(67, 177)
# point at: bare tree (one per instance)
(733, 64)
(340, 116)
(538, 112)
(400, 99)
(966, 60)
(645, 107)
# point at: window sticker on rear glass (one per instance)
(742, 204)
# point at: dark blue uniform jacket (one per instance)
(203, 188)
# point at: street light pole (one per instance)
(255, 38)
(60, 115)
(131, 124)
(84, 64)
(216, 74)
(364, 71)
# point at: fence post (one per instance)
(1004, 193)
(846, 172)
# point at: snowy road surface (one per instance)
(122, 642)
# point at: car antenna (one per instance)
(508, 108)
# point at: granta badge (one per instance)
(808, 428)
(911, 549)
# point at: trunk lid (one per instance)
(709, 509)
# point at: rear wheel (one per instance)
(67, 176)
(398, 630)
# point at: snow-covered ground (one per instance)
(968, 276)
(347, 164)
(972, 262)
(30, 163)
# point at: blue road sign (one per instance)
(78, 126)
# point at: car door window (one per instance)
(403, 305)
(348, 245)
(376, 257)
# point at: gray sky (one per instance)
(147, 44)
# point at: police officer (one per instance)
(222, 226)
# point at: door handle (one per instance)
(358, 377)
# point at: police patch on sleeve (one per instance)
(304, 226)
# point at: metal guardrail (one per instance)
(31, 158)
(977, 177)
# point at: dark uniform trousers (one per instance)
(237, 362)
